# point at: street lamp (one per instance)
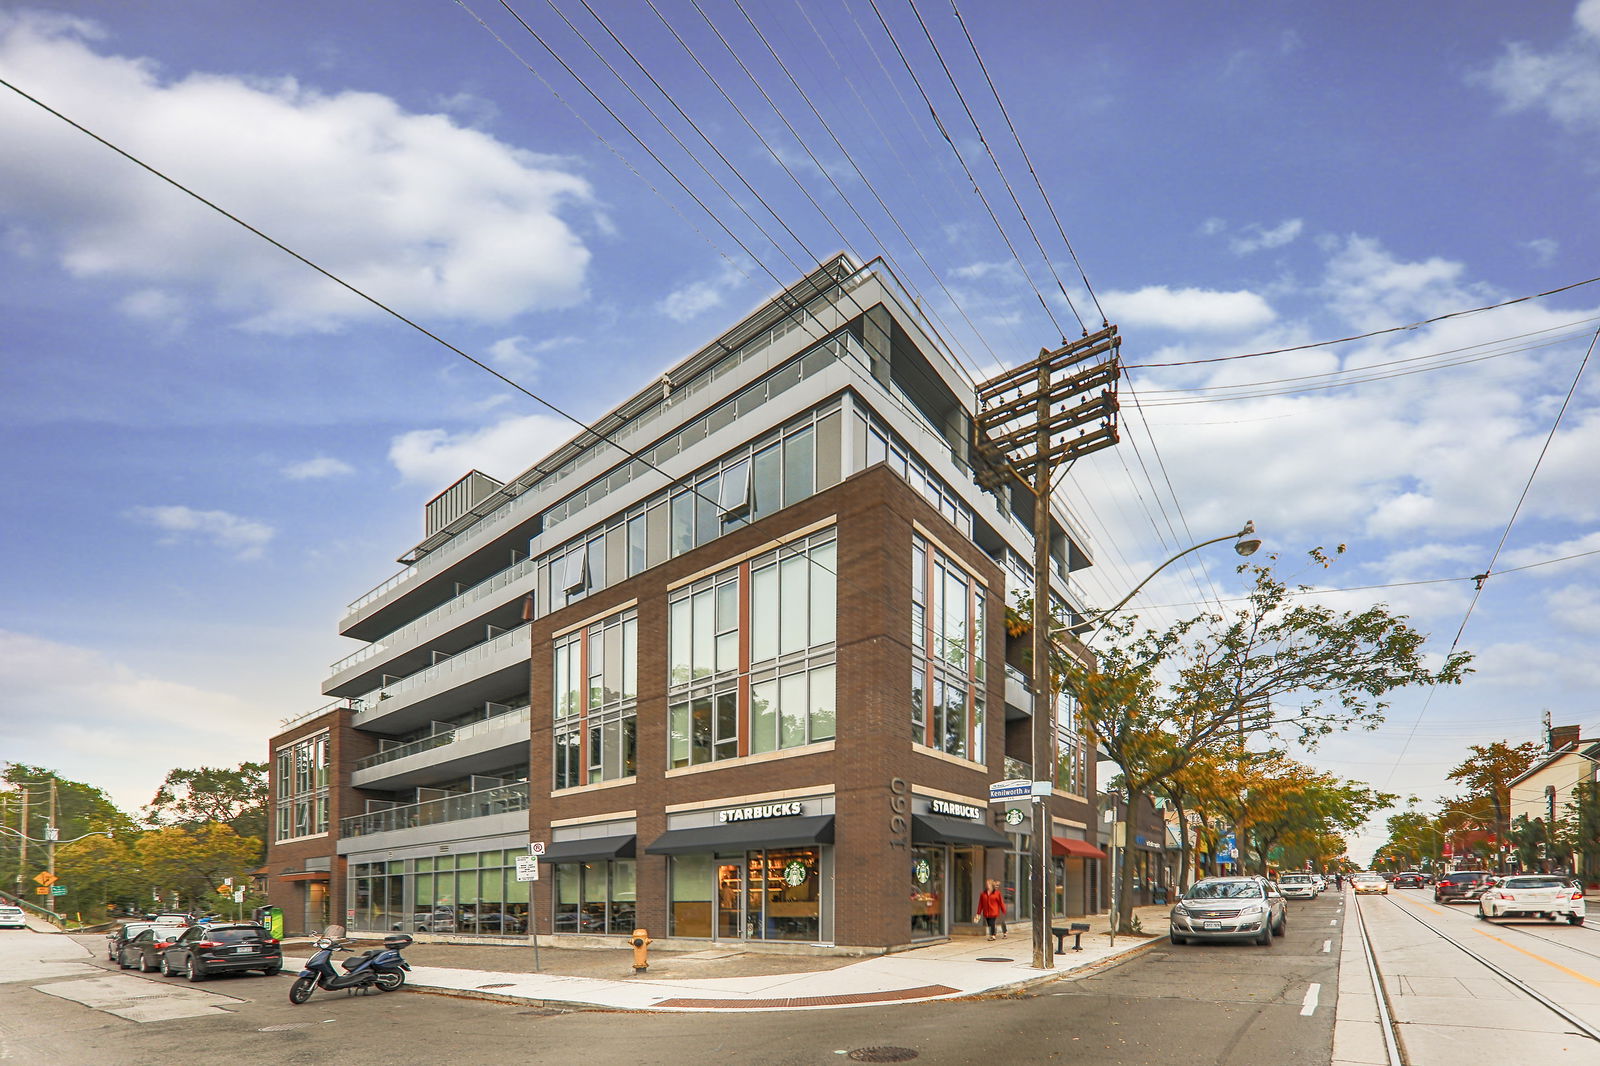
(1244, 543)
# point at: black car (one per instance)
(1461, 886)
(1408, 879)
(204, 950)
(143, 951)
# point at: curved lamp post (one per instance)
(47, 840)
(1245, 543)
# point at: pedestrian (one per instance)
(991, 906)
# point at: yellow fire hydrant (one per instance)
(641, 950)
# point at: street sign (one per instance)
(1004, 790)
(535, 847)
(58, 890)
(238, 895)
(45, 877)
(527, 869)
(41, 891)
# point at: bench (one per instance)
(1074, 930)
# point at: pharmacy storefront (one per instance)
(761, 871)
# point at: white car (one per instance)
(1533, 896)
(1298, 886)
(12, 917)
(1322, 882)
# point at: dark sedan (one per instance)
(1408, 879)
(143, 952)
(1461, 886)
(204, 950)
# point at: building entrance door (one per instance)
(731, 897)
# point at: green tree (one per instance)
(188, 865)
(1488, 772)
(80, 809)
(1229, 669)
(235, 797)
(98, 871)
(1583, 814)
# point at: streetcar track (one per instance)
(1505, 975)
(1548, 940)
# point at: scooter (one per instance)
(382, 968)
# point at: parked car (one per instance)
(1533, 896)
(1461, 886)
(1298, 886)
(1229, 908)
(118, 937)
(1369, 884)
(143, 952)
(172, 918)
(1407, 879)
(12, 917)
(203, 950)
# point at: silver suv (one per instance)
(1230, 908)
(1298, 886)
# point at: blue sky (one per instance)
(211, 449)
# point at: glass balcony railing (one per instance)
(1016, 674)
(474, 655)
(503, 799)
(448, 736)
(400, 636)
(1017, 770)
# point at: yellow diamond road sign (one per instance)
(45, 878)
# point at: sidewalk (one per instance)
(964, 966)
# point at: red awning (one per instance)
(1075, 849)
(305, 875)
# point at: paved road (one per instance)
(1452, 1010)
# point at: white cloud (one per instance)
(1564, 82)
(323, 466)
(436, 458)
(1198, 310)
(976, 271)
(153, 305)
(414, 209)
(246, 538)
(696, 298)
(1254, 237)
(519, 356)
(1543, 250)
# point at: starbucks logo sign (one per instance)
(1014, 816)
(794, 873)
(922, 870)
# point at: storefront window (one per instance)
(927, 892)
(792, 894)
(692, 886)
(596, 897)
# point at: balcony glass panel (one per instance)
(465, 660)
(504, 799)
(449, 736)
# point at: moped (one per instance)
(382, 968)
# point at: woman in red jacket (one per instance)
(991, 905)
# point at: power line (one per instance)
(1373, 333)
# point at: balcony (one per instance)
(448, 753)
(1017, 770)
(483, 672)
(505, 805)
(1019, 694)
(505, 587)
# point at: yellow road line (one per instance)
(1585, 978)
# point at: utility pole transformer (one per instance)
(1021, 433)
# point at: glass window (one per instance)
(947, 654)
(692, 882)
(799, 465)
(594, 735)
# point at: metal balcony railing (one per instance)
(446, 737)
(511, 638)
(502, 799)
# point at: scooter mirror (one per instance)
(335, 931)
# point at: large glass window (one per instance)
(729, 697)
(596, 897)
(947, 654)
(1072, 760)
(595, 694)
(300, 773)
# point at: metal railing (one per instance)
(336, 705)
(448, 736)
(502, 799)
(471, 657)
(444, 610)
(1017, 770)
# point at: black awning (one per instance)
(743, 836)
(594, 849)
(937, 829)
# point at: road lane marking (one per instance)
(1309, 1006)
(1327, 945)
(1585, 978)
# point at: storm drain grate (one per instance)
(881, 1054)
(994, 958)
(285, 1027)
(502, 984)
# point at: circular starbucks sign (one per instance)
(794, 873)
(922, 869)
(1014, 816)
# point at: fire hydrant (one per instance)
(641, 950)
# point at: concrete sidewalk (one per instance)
(965, 966)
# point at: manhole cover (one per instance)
(285, 1027)
(502, 984)
(881, 1054)
(995, 958)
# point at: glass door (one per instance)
(730, 900)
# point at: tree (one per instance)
(190, 864)
(80, 809)
(1488, 772)
(1584, 815)
(191, 798)
(98, 871)
(1228, 670)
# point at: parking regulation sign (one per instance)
(527, 869)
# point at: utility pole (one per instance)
(22, 850)
(51, 834)
(1019, 434)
